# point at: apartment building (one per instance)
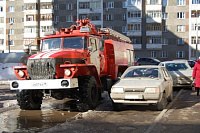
(11, 25)
(162, 29)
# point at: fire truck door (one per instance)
(94, 54)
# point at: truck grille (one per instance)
(41, 68)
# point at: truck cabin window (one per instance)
(74, 43)
(51, 44)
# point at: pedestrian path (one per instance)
(183, 116)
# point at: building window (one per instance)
(11, 42)
(109, 17)
(180, 2)
(134, 2)
(56, 7)
(11, 9)
(136, 14)
(22, 8)
(46, 28)
(83, 16)
(1, 42)
(95, 5)
(181, 28)
(46, 17)
(163, 54)
(11, 31)
(46, 5)
(195, 1)
(180, 41)
(154, 14)
(136, 40)
(1, 30)
(153, 54)
(30, 6)
(123, 16)
(180, 15)
(164, 15)
(1, 19)
(22, 20)
(11, 20)
(193, 39)
(1, 8)
(69, 18)
(124, 29)
(164, 2)
(153, 2)
(180, 54)
(95, 16)
(110, 5)
(134, 27)
(154, 40)
(193, 26)
(30, 29)
(29, 17)
(124, 4)
(56, 19)
(165, 28)
(153, 27)
(69, 6)
(84, 5)
(164, 41)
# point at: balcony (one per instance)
(134, 33)
(154, 46)
(137, 46)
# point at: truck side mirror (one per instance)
(90, 48)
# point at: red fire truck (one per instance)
(79, 62)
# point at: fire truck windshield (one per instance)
(74, 43)
(52, 43)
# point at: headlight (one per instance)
(117, 90)
(68, 72)
(151, 90)
(21, 73)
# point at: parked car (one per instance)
(191, 63)
(143, 85)
(147, 61)
(180, 71)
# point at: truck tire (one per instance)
(118, 106)
(170, 98)
(30, 99)
(162, 103)
(89, 95)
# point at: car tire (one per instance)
(162, 103)
(30, 99)
(89, 93)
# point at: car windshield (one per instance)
(51, 44)
(142, 72)
(73, 43)
(176, 66)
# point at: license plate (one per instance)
(41, 84)
(131, 97)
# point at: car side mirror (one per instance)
(90, 48)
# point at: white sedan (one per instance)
(180, 71)
(143, 85)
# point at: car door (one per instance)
(168, 82)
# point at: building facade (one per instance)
(162, 29)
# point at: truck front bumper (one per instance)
(43, 84)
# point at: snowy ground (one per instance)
(6, 71)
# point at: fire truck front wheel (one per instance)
(30, 99)
(89, 93)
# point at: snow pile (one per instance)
(6, 71)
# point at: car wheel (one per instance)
(162, 103)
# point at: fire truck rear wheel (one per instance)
(89, 93)
(30, 99)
